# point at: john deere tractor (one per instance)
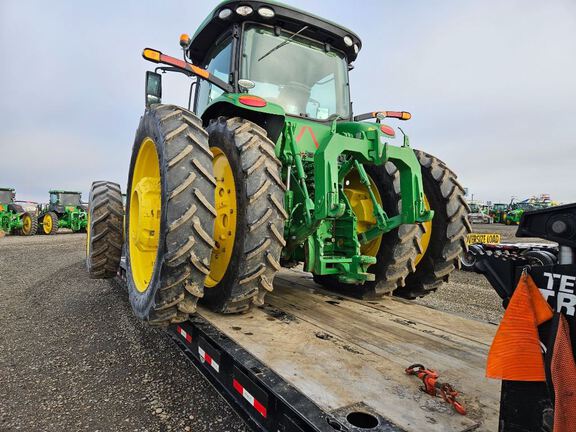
(13, 218)
(271, 168)
(498, 212)
(65, 210)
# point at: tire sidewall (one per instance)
(143, 302)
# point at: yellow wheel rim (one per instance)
(47, 223)
(225, 225)
(144, 217)
(426, 235)
(26, 224)
(88, 234)
(359, 198)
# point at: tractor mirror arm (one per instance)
(157, 57)
(381, 115)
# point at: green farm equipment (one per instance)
(269, 169)
(65, 210)
(13, 217)
(498, 212)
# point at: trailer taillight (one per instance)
(253, 101)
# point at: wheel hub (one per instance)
(225, 224)
(26, 224)
(146, 206)
(47, 224)
(357, 194)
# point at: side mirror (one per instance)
(153, 88)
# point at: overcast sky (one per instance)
(491, 85)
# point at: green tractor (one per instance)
(270, 169)
(498, 212)
(65, 210)
(13, 217)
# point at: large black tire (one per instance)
(33, 225)
(54, 227)
(186, 217)
(260, 215)
(398, 248)
(104, 237)
(450, 227)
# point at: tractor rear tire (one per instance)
(398, 248)
(258, 238)
(104, 237)
(450, 227)
(171, 188)
(50, 228)
(29, 225)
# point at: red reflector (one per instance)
(387, 130)
(253, 101)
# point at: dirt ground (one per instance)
(73, 357)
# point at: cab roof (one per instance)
(286, 17)
(65, 191)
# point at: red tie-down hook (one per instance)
(434, 388)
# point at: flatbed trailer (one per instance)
(310, 360)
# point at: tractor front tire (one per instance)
(104, 236)
(50, 223)
(250, 223)
(29, 225)
(398, 248)
(169, 215)
(450, 227)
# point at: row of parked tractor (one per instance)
(64, 210)
(508, 214)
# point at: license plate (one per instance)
(483, 238)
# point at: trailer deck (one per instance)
(310, 353)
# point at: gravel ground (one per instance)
(73, 357)
(469, 294)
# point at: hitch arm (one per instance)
(157, 57)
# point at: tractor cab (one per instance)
(7, 203)
(7, 196)
(59, 200)
(289, 58)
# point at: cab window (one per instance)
(218, 64)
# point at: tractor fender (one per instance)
(270, 117)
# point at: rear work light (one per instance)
(265, 12)
(244, 10)
(253, 101)
(224, 13)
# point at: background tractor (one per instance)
(498, 212)
(271, 168)
(13, 218)
(65, 210)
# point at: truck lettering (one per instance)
(567, 301)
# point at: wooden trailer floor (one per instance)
(340, 351)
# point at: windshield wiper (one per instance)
(281, 44)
